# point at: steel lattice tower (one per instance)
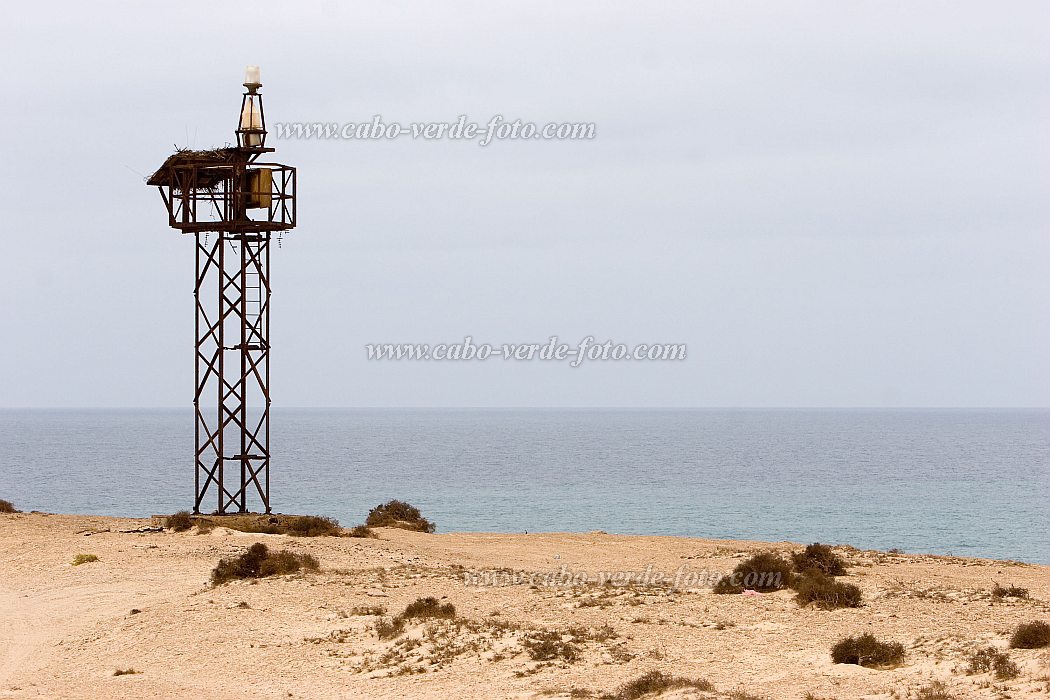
(233, 203)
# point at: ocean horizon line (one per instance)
(549, 408)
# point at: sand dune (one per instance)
(65, 630)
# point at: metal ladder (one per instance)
(253, 303)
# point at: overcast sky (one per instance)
(831, 203)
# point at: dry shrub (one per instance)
(7, 507)
(390, 628)
(429, 608)
(399, 514)
(1031, 635)
(825, 592)
(765, 572)
(367, 610)
(84, 559)
(294, 525)
(655, 682)
(991, 659)
(126, 672)
(362, 531)
(260, 562)
(313, 526)
(179, 522)
(999, 592)
(820, 557)
(549, 646)
(866, 650)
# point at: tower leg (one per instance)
(232, 369)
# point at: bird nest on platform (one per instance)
(208, 165)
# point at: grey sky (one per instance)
(832, 203)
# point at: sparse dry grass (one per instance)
(550, 645)
(992, 660)
(936, 690)
(746, 695)
(656, 682)
(388, 628)
(444, 637)
(428, 608)
(912, 589)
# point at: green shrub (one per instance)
(7, 507)
(1031, 635)
(765, 572)
(825, 592)
(820, 557)
(361, 531)
(399, 514)
(991, 659)
(429, 607)
(84, 559)
(259, 562)
(655, 682)
(865, 650)
(179, 522)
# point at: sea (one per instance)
(965, 482)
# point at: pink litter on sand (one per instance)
(748, 591)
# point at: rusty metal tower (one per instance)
(233, 203)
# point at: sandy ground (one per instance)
(147, 605)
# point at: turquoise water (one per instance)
(967, 482)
